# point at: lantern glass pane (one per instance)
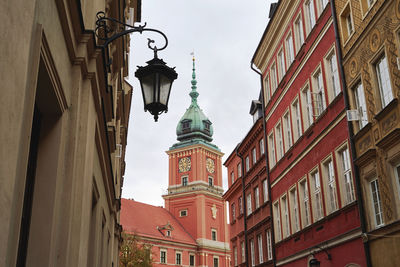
(165, 87)
(148, 88)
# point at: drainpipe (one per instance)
(266, 159)
(351, 135)
(244, 206)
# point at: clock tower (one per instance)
(195, 190)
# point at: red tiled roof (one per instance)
(143, 219)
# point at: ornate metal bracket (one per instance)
(109, 29)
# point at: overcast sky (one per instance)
(223, 35)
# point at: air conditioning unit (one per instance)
(353, 115)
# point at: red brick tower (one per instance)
(195, 190)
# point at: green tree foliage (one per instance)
(133, 253)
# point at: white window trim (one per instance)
(329, 179)
(318, 92)
(296, 119)
(257, 197)
(260, 249)
(384, 83)
(378, 204)
(176, 258)
(184, 210)
(194, 259)
(269, 245)
(216, 234)
(163, 250)
(298, 35)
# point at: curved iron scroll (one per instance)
(110, 29)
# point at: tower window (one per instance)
(184, 181)
(168, 232)
(183, 213)
(191, 260)
(185, 125)
(207, 126)
(210, 181)
(214, 234)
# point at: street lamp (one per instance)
(156, 78)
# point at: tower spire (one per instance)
(194, 94)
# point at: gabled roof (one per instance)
(148, 221)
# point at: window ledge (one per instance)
(389, 107)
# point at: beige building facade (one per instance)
(369, 32)
(64, 118)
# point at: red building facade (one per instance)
(313, 196)
(248, 197)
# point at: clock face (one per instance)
(184, 164)
(210, 165)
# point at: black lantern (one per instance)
(156, 80)
(314, 262)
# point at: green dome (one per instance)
(194, 124)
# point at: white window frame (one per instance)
(294, 209)
(178, 260)
(254, 155)
(269, 245)
(361, 105)
(265, 190)
(382, 72)
(232, 177)
(318, 92)
(267, 88)
(257, 197)
(277, 221)
(261, 143)
(345, 175)
(307, 105)
(285, 216)
(239, 169)
(235, 256)
(332, 74)
(165, 258)
(289, 49)
(287, 130)
(247, 163)
(296, 117)
(248, 205)
(274, 78)
(305, 202)
(316, 197)
(309, 10)
(214, 233)
(252, 256)
(271, 145)
(185, 211)
(260, 249)
(194, 259)
(279, 140)
(215, 260)
(298, 32)
(243, 253)
(281, 64)
(331, 203)
(376, 203)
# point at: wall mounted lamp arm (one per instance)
(109, 29)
